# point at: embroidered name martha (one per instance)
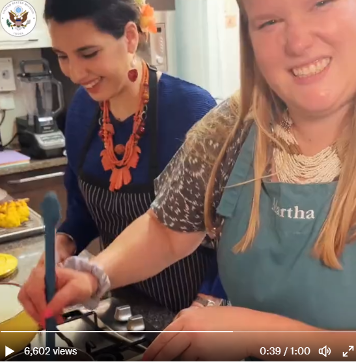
(292, 212)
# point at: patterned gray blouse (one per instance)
(180, 189)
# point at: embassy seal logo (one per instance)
(18, 18)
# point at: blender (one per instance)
(38, 133)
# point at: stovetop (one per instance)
(109, 333)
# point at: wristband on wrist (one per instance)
(71, 239)
(57, 260)
(206, 302)
(67, 235)
(84, 265)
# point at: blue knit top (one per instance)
(180, 106)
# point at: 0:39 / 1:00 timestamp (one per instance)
(277, 351)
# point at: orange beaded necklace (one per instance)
(129, 153)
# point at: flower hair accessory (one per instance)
(147, 19)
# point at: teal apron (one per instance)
(278, 274)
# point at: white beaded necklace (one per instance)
(294, 167)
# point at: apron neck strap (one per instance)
(152, 124)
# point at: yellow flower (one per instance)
(148, 22)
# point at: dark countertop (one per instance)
(158, 316)
(34, 165)
(28, 251)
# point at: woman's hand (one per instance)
(72, 287)
(205, 346)
(197, 304)
(65, 247)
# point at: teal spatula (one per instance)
(51, 214)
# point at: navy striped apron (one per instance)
(175, 287)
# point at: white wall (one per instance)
(208, 49)
(231, 50)
(169, 18)
(8, 128)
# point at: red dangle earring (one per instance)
(133, 73)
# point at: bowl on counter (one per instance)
(14, 318)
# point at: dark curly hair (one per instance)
(109, 16)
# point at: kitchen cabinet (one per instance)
(35, 184)
(38, 38)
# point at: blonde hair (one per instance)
(257, 97)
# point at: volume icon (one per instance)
(325, 351)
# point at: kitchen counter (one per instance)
(34, 165)
(28, 252)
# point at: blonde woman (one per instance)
(273, 177)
